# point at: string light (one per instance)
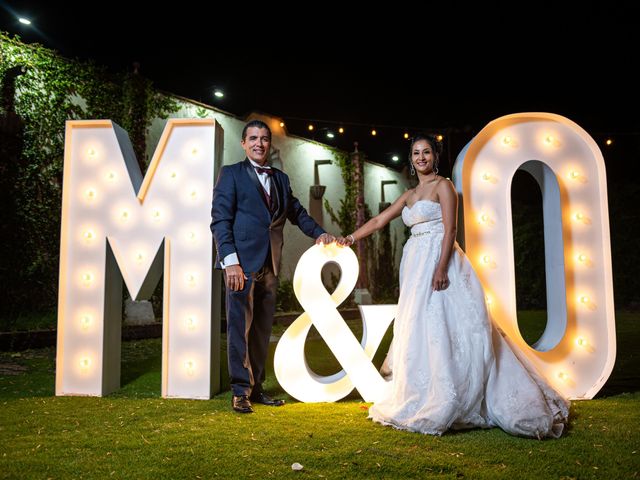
(311, 124)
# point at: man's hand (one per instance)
(325, 239)
(234, 277)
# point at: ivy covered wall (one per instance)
(40, 92)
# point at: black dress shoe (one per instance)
(241, 404)
(265, 399)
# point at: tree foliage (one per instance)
(383, 275)
(50, 91)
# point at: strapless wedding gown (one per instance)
(451, 368)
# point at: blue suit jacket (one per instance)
(242, 223)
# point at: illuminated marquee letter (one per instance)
(114, 218)
(292, 371)
(576, 352)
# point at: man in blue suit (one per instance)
(251, 202)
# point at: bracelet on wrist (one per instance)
(353, 239)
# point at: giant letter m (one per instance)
(118, 225)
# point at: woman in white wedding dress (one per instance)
(452, 369)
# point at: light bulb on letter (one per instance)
(190, 367)
(89, 236)
(85, 363)
(90, 194)
(87, 278)
(85, 322)
(582, 342)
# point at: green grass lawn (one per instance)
(134, 433)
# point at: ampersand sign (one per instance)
(292, 371)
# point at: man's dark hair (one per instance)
(255, 123)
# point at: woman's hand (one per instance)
(440, 279)
(345, 241)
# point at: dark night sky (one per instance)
(435, 89)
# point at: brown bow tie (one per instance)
(268, 171)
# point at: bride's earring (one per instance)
(412, 170)
(435, 170)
